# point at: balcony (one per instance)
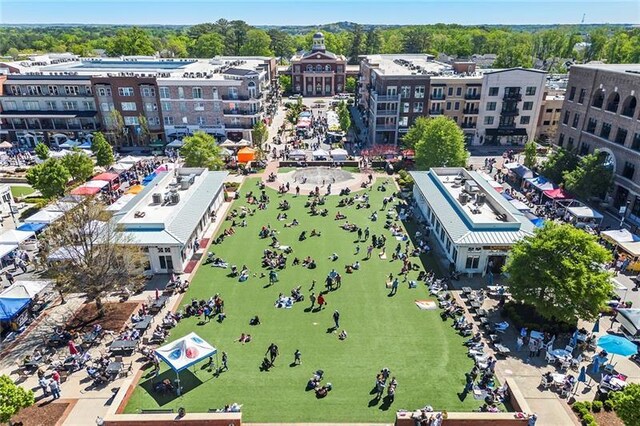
(386, 98)
(507, 126)
(241, 112)
(510, 112)
(435, 112)
(385, 127)
(471, 111)
(238, 98)
(438, 97)
(387, 112)
(472, 96)
(512, 97)
(468, 125)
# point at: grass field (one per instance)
(21, 191)
(422, 351)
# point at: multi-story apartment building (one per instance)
(600, 111)
(318, 72)
(491, 106)
(221, 96)
(549, 116)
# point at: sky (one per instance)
(314, 12)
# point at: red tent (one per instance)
(106, 177)
(85, 190)
(557, 194)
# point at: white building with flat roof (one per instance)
(170, 214)
(474, 226)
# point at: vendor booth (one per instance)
(629, 320)
(32, 227)
(628, 245)
(44, 216)
(185, 352)
(320, 155)
(85, 190)
(557, 194)
(231, 144)
(178, 143)
(112, 179)
(580, 214)
(246, 155)
(130, 159)
(540, 183)
(339, 154)
(520, 205)
(297, 154)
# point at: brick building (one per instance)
(318, 72)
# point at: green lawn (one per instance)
(286, 170)
(21, 191)
(422, 351)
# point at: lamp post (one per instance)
(623, 213)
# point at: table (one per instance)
(558, 378)
(114, 368)
(123, 345)
(561, 354)
(537, 335)
(466, 290)
(144, 324)
(476, 305)
(90, 337)
(158, 304)
(503, 350)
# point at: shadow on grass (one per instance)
(386, 403)
(188, 382)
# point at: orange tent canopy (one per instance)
(135, 189)
(246, 154)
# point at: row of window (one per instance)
(35, 90)
(326, 68)
(50, 106)
(528, 91)
(526, 106)
(507, 121)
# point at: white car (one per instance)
(297, 96)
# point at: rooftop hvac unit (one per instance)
(185, 184)
(156, 198)
(481, 198)
(464, 198)
(471, 187)
(175, 198)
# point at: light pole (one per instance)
(623, 213)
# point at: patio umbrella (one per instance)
(617, 345)
(574, 339)
(582, 377)
(596, 326)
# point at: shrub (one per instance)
(596, 406)
(588, 418)
(577, 406)
(608, 405)
(523, 315)
(587, 405)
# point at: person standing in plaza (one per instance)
(54, 387)
(369, 251)
(297, 357)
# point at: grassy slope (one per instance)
(21, 191)
(420, 349)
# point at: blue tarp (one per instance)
(85, 145)
(33, 227)
(523, 172)
(148, 179)
(537, 221)
(10, 308)
(541, 183)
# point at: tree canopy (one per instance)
(437, 142)
(201, 150)
(13, 398)
(50, 177)
(530, 155)
(130, 41)
(79, 165)
(559, 270)
(260, 133)
(102, 150)
(42, 151)
(344, 116)
(558, 163)
(591, 178)
(627, 403)
(257, 43)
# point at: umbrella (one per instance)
(582, 377)
(596, 326)
(617, 345)
(574, 339)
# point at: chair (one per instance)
(544, 383)
(550, 358)
(564, 365)
(575, 362)
(569, 348)
(609, 368)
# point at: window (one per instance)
(491, 106)
(405, 92)
(598, 99)
(168, 121)
(403, 122)
(309, 67)
(150, 106)
(70, 105)
(635, 145)
(31, 105)
(51, 105)
(88, 106)
(201, 121)
(53, 90)
(166, 262)
(106, 106)
(488, 120)
(215, 93)
(131, 121)
(216, 106)
(128, 106)
(584, 148)
(125, 91)
(525, 119)
(530, 90)
(34, 90)
(591, 125)
(418, 106)
(527, 106)
(181, 92)
(233, 93)
(493, 91)
(583, 92)
(546, 123)
(576, 120)
(327, 68)
(567, 115)
(450, 92)
(561, 140)
(12, 106)
(419, 92)
(548, 110)
(87, 90)
(166, 106)
(154, 121)
(456, 106)
(448, 106)
(148, 92)
(196, 93)
(319, 68)
(182, 106)
(570, 144)
(572, 93)
(392, 91)
(198, 106)
(629, 170)
(405, 107)
(605, 131)
(472, 262)
(164, 93)
(621, 136)
(71, 90)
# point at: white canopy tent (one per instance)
(231, 144)
(14, 236)
(5, 249)
(620, 236)
(60, 206)
(121, 167)
(26, 289)
(320, 153)
(120, 202)
(130, 159)
(339, 154)
(44, 216)
(59, 154)
(520, 205)
(297, 154)
(226, 152)
(584, 213)
(96, 184)
(175, 144)
(69, 144)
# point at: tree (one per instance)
(100, 259)
(350, 85)
(130, 42)
(42, 151)
(592, 177)
(50, 177)
(14, 398)
(260, 134)
(257, 44)
(201, 150)
(144, 134)
(281, 44)
(13, 53)
(558, 163)
(344, 116)
(79, 165)
(530, 154)
(559, 270)
(102, 150)
(285, 83)
(208, 46)
(437, 142)
(116, 127)
(627, 402)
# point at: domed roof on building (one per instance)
(318, 35)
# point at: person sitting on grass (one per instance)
(292, 224)
(322, 391)
(244, 338)
(315, 233)
(333, 257)
(255, 321)
(340, 216)
(342, 335)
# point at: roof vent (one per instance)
(156, 198)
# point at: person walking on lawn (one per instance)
(225, 358)
(273, 352)
(336, 319)
(312, 298)
(321, 301)
(297, 357)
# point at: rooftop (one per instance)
(470, 209)
(621, 68)
(170, 207)
(406, 64)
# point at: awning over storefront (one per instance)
(506, 132)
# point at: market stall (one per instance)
(246, 155)
(339, 154)
(320, 155)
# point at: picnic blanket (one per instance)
(425, 305)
